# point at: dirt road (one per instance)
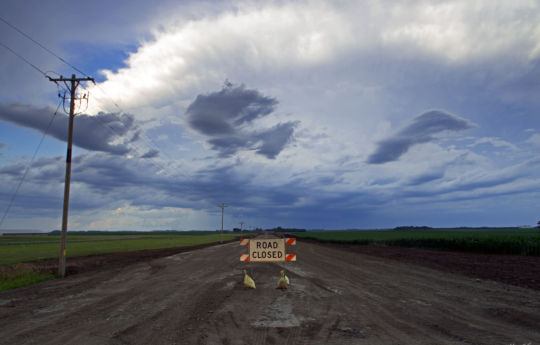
(335, 297)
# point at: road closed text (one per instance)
(271, 254)
(267, 250)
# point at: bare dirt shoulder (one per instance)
(523, 271)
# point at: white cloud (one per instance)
(456, 30)
(496, 142)
(534, 139)
(294, 52)
(182, 60)
(262, 40)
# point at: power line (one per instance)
(143, 136)
(61, 59)
(29, 166)
(23, 59)
(149, 141)
(43, 47)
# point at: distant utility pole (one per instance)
(74, 84)
(241, 225)
(222, 206)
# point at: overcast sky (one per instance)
(311, 114)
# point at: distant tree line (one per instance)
(412, 228)
(280, 229)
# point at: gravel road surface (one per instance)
(335, 297)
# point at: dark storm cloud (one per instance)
(13, 170)
(268, 143)
(218, 112)
(421, 130)
(94, 133)
(104, 178)
(476, 185)
(228, 146)
(137, 182)
(275, 139)
(151, 154)
(224, 117)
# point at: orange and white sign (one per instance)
(267, 250)
(290, 257)
(290, 241)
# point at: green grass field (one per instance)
(17, 249)
(513, 241)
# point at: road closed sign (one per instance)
(267, 250)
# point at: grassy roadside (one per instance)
(17, 250)
(18, 277)
(487, 241)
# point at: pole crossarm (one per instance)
(78, 80)
(74, 81)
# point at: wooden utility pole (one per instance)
(74, 83)
(222, 213)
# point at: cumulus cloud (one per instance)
(226, 117)
(105, 132)
(278, 36)
(421, 130)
